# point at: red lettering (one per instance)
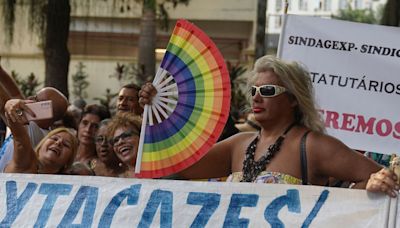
(379, 127)
(332, 119)
(366, 127)
(347, 121)
(396, 132)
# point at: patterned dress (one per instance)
(267, 178)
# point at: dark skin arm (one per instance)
(9, 84)
(4, 97)
(329, 157)
(8, 90)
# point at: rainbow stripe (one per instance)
(199, 117)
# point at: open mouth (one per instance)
(55, 150)
(104, 152)
(125, 150)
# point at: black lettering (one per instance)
(373, 84)
(363, 48)
(291, 40)
(303, 41)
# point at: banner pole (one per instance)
(280, 43)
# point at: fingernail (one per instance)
(394, 193)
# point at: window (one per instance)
(278, 21)
(358, 4)
(327, 5)
(278, 5)
(303, 5)
(343, 4)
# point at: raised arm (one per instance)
(9, 84)
(216, 163)
(24, 158)
(8, 90)
(4, 97)
(332, 158)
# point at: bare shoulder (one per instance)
(239, 139)
(324, 143)
(237, 143)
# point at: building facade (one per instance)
(106, 32)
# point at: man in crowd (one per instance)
(128, 99)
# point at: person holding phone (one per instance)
(291, 147)
(36, 129)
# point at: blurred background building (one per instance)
(104, 35)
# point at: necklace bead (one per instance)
(252, 168)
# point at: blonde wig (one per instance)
(297, 81)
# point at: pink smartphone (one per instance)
(42, 109)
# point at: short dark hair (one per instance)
(131, 86)
(98, 110)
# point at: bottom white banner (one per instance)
(61, 201)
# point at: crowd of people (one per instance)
(286, 141)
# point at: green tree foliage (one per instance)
(80, 82)
(28, 85)
(238, 84)
(49, 19)
(107, 100)
(357, 15)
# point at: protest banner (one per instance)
(354, 68)
(28, 200)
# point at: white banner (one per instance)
(355, 71)
(63, 201)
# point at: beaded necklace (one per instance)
(251, 168)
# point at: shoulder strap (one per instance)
(303, 159)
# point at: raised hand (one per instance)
(15, 110)
(384, 181)
(146, 94)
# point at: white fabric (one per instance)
(35, 134)
(65, 201)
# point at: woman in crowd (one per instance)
(106, 163)
(292, 146)
(54, 153)
(87, 129)
(124, 132)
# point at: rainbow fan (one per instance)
(191, 107)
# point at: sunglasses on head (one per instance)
(122, 136)
(267, 90)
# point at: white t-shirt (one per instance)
(7, 149)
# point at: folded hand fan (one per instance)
(191, 107)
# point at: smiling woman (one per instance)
(124, 131)
(53, 155)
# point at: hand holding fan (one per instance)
(191, 107)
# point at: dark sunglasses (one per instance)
(267, 90)
(122, 136)
(100, 139)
